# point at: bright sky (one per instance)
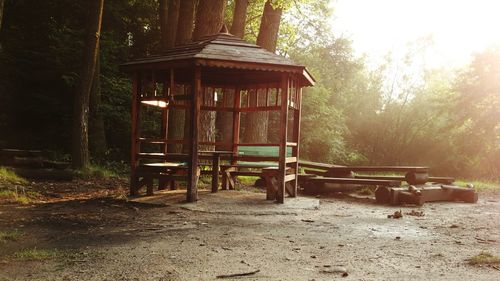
(458, 27)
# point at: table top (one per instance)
(215, 152)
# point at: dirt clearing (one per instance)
(87, 231)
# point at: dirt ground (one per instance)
(98, 235)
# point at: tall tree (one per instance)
(97, 134)
(179, 120)
(1, 13)
(169, 18)
(256, 124)
(224, 120)
(80, 151)
(239, 18)
(209, 19)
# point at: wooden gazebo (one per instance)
(220, 73)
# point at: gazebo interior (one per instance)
(219, 79)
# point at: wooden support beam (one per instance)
(192, 188)
(135, 145)
(236, 122)
(296, 135)
(280, 194)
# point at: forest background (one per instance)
(397, 113)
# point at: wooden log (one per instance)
(415, 178)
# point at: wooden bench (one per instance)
(164, 172)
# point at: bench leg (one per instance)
(149, 185)
(290, 189)
(227, 180)
(134, 185)
(271, 186)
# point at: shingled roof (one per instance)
(221, 50)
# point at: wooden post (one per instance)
(296, 135)
(134, 143)
(236, 122)
(192, 188)
(280, 195)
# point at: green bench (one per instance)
(253, 160)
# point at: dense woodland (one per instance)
(399, 112)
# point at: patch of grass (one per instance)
(12, 235)
(37, 254)
(247, 180)
(96, 172)
(18, 195)
(366, 191)
(484, 258)
(480, 185)
(11, 177)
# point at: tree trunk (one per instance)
(1, 13)
(163, 13)
(80, 151)
(239, 18)
(97, 135)
(256, 124)
(224, 121)
(185, 23)
(184, 36)
(209, 19)
(169, 17)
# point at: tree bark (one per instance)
(209, 19)
(169, 17)
(178, 119)
(1, 12)
(163, 13)
(224, 121)
(185, 23)
(97, 134)
(256, 124)
(80, 151)
(239, 18)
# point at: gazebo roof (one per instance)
(222, 50)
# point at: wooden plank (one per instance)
(256, 158)
(236, 122)
(262, 108)
(134, 149)
(354, 181)
(380, 169)
(296, 138)
(290, 177)
(446, 180)
(192, 188)
(316, 165)
(280, 195)
(289, 160)
(258, 144)
(163, 156)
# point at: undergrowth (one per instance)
(11, 235)
(484, 258)
(10, 177)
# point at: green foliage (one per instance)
(11, 177)
(18, 195)
(96, 172)
(37, 254)
(12, 235)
